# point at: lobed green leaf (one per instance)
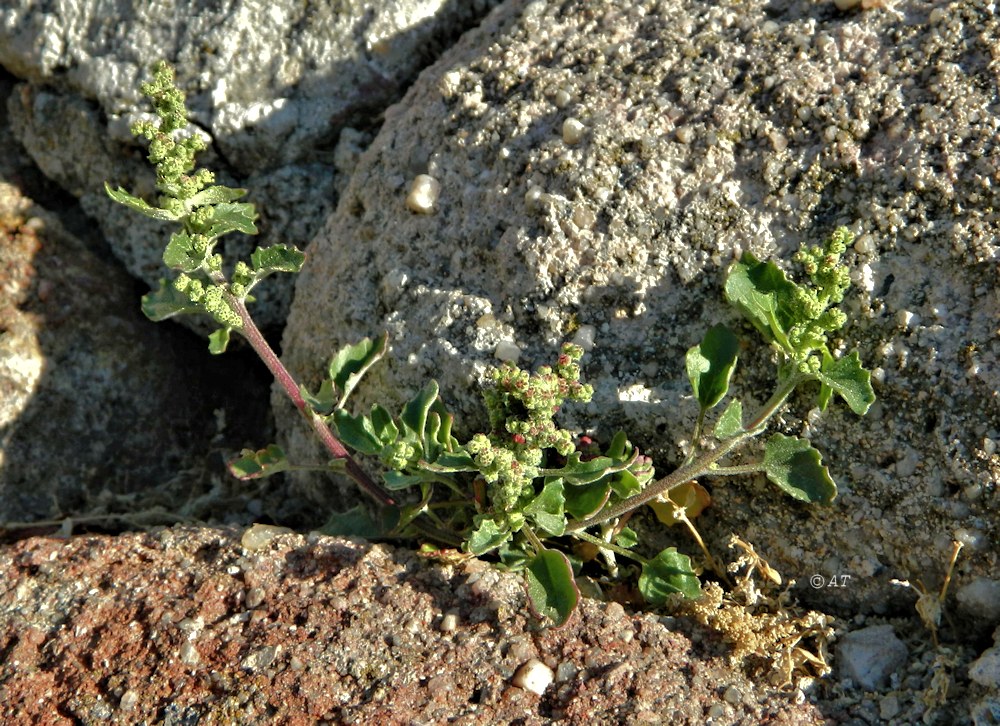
(276, 258)
(487, 536)
(796, 467)
(218, 341)
(231, 217)
(548, 509)
(167, 301)
(850, 380)
(357, 432)
(214, 195)
(259, 464)
(669, 573)
(180, 253)
(762, 293)
(551, 588)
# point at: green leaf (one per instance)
(796, 467)
(214, 195)
(547, 509)
(577, 472)
(762, 293)
(276, 258)
(849, 380)
(627, 538)
(123, 197)
(619, 444)
(166, 302)
(487, 536)
(396, 480)
(450, 462)
(351, 362)
(322, 402)
(626, 484)
(218, 341)
(356, 432)
(730, 423)
(710, 365)
(669, 573)
(551, 587)
(231, 217)
(180, 253)
(383, 426)
(414, 415)
(586, 500)
(259, 464)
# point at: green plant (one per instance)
(524, 492)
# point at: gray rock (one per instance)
(273, 84)
(870, 655)
(600, 165)
(980, 599)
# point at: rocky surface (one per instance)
(589, 169)
(273, 84)
(189, 626)
(599, 166)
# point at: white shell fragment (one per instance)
(423, 194)
(534, 676)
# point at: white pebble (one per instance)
(534, 676)
(685, 134)
(258, 536)
(449, 623)
(573, 130)
(423, 194)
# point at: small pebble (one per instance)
(259, 535)
(573, 131)
(533, 676)
(449, 623)
(424, 193)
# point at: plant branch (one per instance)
(251, 332)
(699, 467)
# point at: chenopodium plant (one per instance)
(524, 492)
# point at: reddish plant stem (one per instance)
(252, 333)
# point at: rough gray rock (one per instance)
(272, 83)
(870, 656)
(599, 165)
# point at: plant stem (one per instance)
(698, 467)
(253, 336)
(604, 544)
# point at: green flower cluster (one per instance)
(811, 304)
(174, 158)
(521, 406)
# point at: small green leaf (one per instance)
(669, 573)
(710, 365)
(450, 462)
(414, 415)
(487, 536)
(214, 195)
(730, 423)
(259, 464)
(796, 467)
(627, 538)
(383, 426)
(551, 587)
(619, 444)
(180, 253)
(762, 293)
(625, 484)
(356, 432)
(276, 258)
(584, 501)
(322, 402)
(351, 362)
(577, 472)
(849, 380)
(547, 509)
(123, 197)
(218, 341)
(166, 302)
(395, 480)
(231, 217)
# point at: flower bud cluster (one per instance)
(830, 280)
(521, 407)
